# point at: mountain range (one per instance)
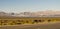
(47, 13)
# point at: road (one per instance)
(38, 26)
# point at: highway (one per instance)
(36, 26)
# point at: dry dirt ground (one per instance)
(36, 26)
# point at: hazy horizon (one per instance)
(29, 5)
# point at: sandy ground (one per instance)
(35, 26)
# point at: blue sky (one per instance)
(28, 5)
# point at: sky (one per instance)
(29, 5)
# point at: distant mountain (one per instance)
(48, 13)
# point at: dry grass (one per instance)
(27, 20)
